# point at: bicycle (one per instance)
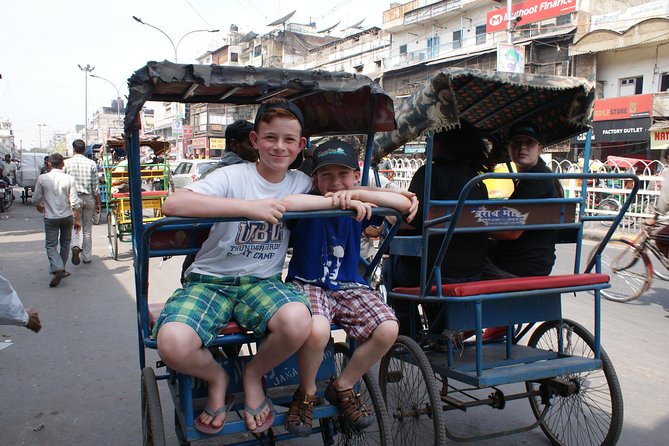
(629, 266)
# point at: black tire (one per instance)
(608, 204)
(412, 396)
(9, 202)
(629, 270)
(370, 393)
(594, 414)
(112, 235)
(153, 430)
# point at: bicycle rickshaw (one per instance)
(569, 380)
(332, 103)
(117, 197)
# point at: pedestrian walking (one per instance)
(56, 197)
(85, 173)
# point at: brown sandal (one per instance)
(300, 414)
(356, 414)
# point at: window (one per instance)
(234, 57)
(432, 47)
(403, 49)
(457, 39)
(631, 85)
(480, 34)
(664, 82)
(257, 51)
(564, 19)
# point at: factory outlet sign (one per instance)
(618, 130)
(528, 12)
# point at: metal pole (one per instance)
(87, 69)
(118, 100)
(509, 28)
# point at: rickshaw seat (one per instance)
(510, 285)
(156, 308)
(145, 193)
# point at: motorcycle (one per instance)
(6, 194)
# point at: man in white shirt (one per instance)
(56, 197)
(9, 168)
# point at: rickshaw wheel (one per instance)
(594, 413)
(152, 415)
(412, 396)
(370, 393)
(112, 235)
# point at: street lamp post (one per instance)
(118, 100)
(176, 49)
(40, 134)
(87, 69)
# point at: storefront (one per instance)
(198, 148)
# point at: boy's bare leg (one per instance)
(288, 329)
(180, 347)
(310, 355)
(367, 354)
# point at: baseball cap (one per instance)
(526, 129)
(334, 152)
(285, 105)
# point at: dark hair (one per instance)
(56, 159)
(463, 145)
(79, 146)
(237, 131)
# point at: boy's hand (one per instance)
(362, 210)
(414, 204)
(268, 210)
(342, 198)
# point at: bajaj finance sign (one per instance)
(529, 11)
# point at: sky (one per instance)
(43, 42)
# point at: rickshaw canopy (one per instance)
(321, 95)
(492, 101)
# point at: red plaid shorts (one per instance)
(357, 310)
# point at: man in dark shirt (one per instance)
(525, 253)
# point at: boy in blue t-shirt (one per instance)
(324, 266)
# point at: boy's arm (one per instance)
(306, 202)
(380, 197)
(186, 203)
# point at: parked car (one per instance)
(191, 170)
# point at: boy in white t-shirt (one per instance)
(236, 274)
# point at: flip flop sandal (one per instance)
(257, 411)
(208, 428)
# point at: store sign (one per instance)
(510, 58)
(188, 131)
(529, 11)
(177, 128)
(621, 130)
(199, 143)
(414, 148)
(659, 139)
(637, 106)
(217, 143)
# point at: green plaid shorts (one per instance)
(208, 303)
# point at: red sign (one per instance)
(188, 131)
(199, 143)
(624, 107)
(529, 11)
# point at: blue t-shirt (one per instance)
(326, 252)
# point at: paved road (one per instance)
(79, 377)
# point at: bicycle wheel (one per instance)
(609, 205)
(412, 395)
(593, 415)
(629, 270)
(112, 235)
(152, 414)
(370, 394)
